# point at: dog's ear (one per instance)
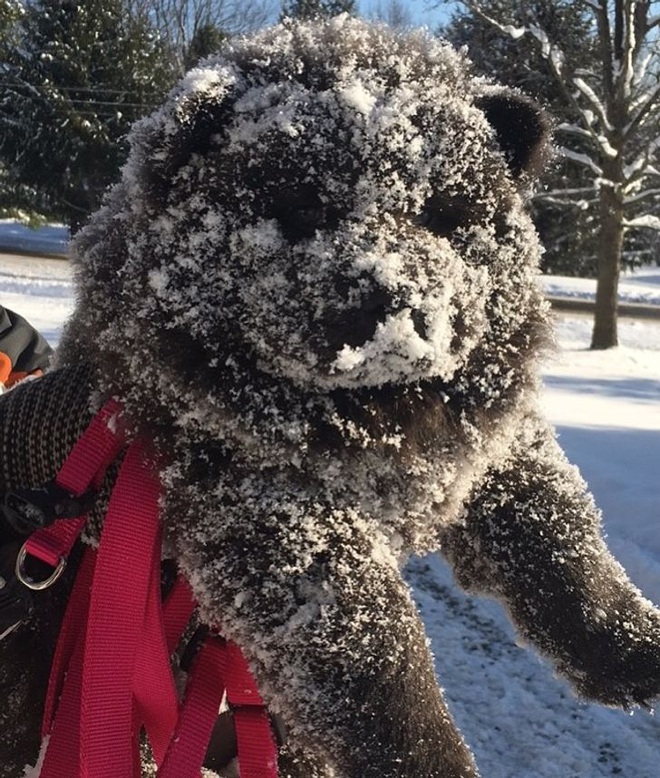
(196, 112)
(522, 129)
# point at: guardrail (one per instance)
(581, 305)
(18, 251)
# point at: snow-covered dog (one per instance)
(314, 288)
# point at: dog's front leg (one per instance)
(317, 603)
(531, 536)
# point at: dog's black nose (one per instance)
(356, 327)
(378, 302)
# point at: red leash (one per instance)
(111, 673)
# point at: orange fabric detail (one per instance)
(5, 368)
(19, 375)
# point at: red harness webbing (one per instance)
(111, 672)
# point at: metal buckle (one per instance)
(25, 579)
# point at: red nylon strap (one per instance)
(98, 446)
(153, 683)
(61, 757)
(177, 611)
(54, 543)
(204, 693)
(130, 548)
(71, 637)
(257, 751)
(111, 672)
(85, 466)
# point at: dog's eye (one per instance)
(301, 218)
(441, 218)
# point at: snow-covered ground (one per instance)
(639, 286)
(520, 720)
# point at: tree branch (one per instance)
(650, 102)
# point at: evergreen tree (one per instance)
(77, 74)
(206, 39)
(10, 12)
(519, 63)
(310, 9)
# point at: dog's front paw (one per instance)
(617, 661)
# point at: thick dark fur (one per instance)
(314, 289)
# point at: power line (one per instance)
(93, 90)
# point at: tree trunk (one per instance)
(605, 333)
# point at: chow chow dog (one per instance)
(314, 290)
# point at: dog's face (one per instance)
(356, 251)
(338, 203)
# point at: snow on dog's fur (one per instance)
(314, 287)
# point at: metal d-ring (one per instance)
(23, 577)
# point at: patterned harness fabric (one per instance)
(40, 420)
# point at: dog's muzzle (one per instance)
(356, 327)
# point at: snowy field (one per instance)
(520, 720)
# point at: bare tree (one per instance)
(181, 22)
(616, 135)
(312, 9)
(394, 12)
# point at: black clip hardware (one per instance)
(27, 510)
